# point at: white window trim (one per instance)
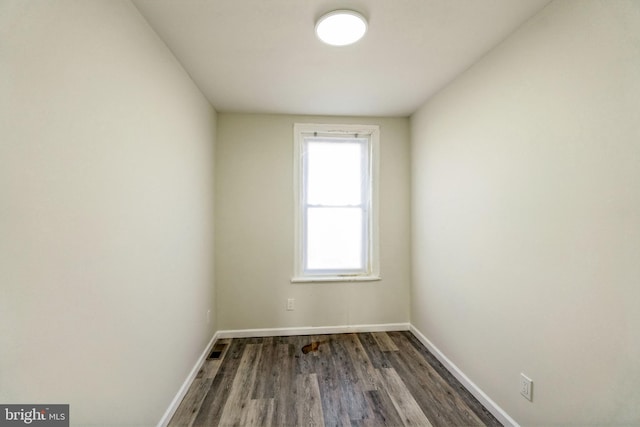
(373, 131)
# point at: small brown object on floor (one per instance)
(313, 346)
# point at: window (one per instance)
(335, 198)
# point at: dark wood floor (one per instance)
(372, 379)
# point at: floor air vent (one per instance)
(217, 351)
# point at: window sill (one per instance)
(317, 279)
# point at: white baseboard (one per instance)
(312, 330)
(173, 407)
(486, 401)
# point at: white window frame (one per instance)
(372, 270)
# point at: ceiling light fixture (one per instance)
(341, 27)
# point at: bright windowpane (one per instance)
(334, 173)
(334, 239)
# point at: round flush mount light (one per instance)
(341, 27)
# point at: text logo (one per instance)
(34, 415)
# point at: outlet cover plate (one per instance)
(526, 387)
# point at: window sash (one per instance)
(367, 268)
(340, 266)
(363, 207)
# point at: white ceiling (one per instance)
(262, 56)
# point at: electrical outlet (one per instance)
(290, 302)
(526, 387)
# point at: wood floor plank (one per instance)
(352, 393)
(266, 371)
(210, 368)
(258, 412)
(366, 373)
(384, 342)
(482, 412)
(384, 411)
(445, 407)
(378, 357)
(242, 386)
(458, 405)
(404, 402)
(216, 398)
(334, 407)
(368, 379)
(308, 402)
(283, 414)
(186, 413)
(188, 410)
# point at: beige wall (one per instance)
(254, 225)
(106, 212)
(526, 217)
